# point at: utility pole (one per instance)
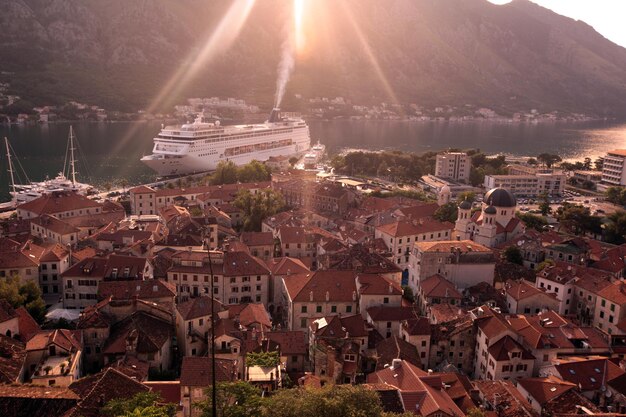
(213, 386)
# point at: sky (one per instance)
(606, 16)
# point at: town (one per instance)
(445, 299)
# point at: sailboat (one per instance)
(23, 193)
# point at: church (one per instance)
(494, 224)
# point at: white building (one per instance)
(453, 165)
(551, 182)
(613, 173)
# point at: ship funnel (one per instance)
(275, 115)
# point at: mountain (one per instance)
(120, 54)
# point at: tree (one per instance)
(578, 219)
(253, 171)
(476, 176)
(598, 164)
(25, 294)
(532, 161)
(259, 206)
(549, 159)
(615, 230)
(293, 161)
(225, 173)
(475, 412)
(587, 163)
(544, 264)
(143, 404)
(544, 205)
(616, 195)
(447, 213)
(233, 399)
(329, 401)
(533, 222)
(514, 255)
(407, 294)
(263, 359)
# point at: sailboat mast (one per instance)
(72, 161)
(6, 143)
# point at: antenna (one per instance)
(6, 142)
(72, 160)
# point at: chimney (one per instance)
(353, 295)
(327, 296)
(396, 363)
(390, 289)
(311, 296)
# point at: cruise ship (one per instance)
(200, 146)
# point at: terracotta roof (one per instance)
(27, 324)
(290, 342)
(615, 293)
(338, 327)
(257, 238)
(169, 391)
(501, 350)
(588, 374)
(98, 389)
(7, 312)
(94, 316)
(490, 321)
(54, 253)
(286, 266)
(12, 359)
(505, 398)
(544, 390)
(417, 326)
(394, 348)
(250, 314)
(142, 189)
(198, 307)
(59, 202)
(387, 313)
(438, 286)
(36, 401)
(339, 286)
(464, 246)
(376, 284)
(288, 234)
(132, 368)
(444, 312)
(63, 338)
(196, 371)
(149, 332)
(242, 263)
(126, 290)
(521, 290)
(415, 227)
(55, 225)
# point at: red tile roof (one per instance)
(415, 227)
(385, 313)
(63, 338)
(55, 225)
(544, 390)
(502, 349)
(286, 266)
(59, 202)
(198, 307)
(12, 358)
(126, 290)
(375, 284)
(257, 238)
(588, 374)
(336, 286)
(250, 314)
(27, 324)
(464, 246)
(438, 286)
(197, 371)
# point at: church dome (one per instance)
(491, 210)
(499, 197)
(465, 205)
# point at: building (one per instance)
(436, 289)
(523, 297)
(401, 235)
(318, 294)
(80, 282)
(142, 200)
(61, 204)
(193, 322)
(51, 229)
(464, 263)
(453, 165)
(613, 172)
(495, 224)
(196, 375)
(54, 357)
(525, 181)
(261, 244)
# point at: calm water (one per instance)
(110, 152)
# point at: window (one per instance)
(386, 300)
(333, 309)
(348, 309)
(423, 343)
(302, 323)
(318, 309)
(303, 310)
(603, 303)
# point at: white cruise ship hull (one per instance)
(200, 147)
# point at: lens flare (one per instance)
(217, 42)
(298, 21)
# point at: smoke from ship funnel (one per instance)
(285, 68)
(274, 115)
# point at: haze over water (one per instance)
(105, 157)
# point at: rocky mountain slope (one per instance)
(121, 53)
